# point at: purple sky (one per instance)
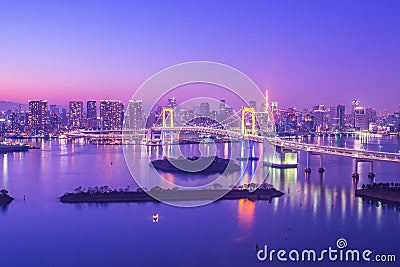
(306, 52)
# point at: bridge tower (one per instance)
(167, 135)
(170, 113)
(253, 121)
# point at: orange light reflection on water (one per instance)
(246, 210)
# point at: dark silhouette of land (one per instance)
(5, 199)
(385, 192)
(157, 193)
(13, 148)
(196, 165)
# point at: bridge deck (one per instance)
(317, 149)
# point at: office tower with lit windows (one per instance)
(91, 115)
(274, 107)
(135, 115)
(111, 114)
(38, 117)
(354, 104)
(75, 115)
(360, 118)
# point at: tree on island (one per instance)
(253, 186)
(78, 190)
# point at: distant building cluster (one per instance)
(44, 119)
(321, 119)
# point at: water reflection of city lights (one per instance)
(5, 169)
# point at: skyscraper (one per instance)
(111, 114)
(135, 114)
(91, 114)
(38, 117)
(274, 107)
(222, 110)
(354, 104)
(75, 115)
(360, 119)
(340, 115)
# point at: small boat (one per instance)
(155, 217)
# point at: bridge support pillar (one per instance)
(321, 163)
(252, 153)
(167, 137)
(355, 169)
(371, 173)
(308, 168)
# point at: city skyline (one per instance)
(43, 119)
(304, 52)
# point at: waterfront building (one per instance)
(111, 114)
(135, 116)
(360, 118)
(91, 115)
(38, 117)
(75, 115)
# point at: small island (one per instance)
(388, 193)
(197, 164)
(5, 199)
(105, 194)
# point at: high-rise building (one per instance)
(340, 115)
(205, 109)
(360, 118)
(333, 118)
(111, 114)
(38, 116)
(354, 104)
(274, 107)
(75, 115)
(222, 110)
(54, 109)
(63, 118)
(171, 102)
(135, 115)
(91, 114)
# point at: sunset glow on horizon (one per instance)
(306, 53)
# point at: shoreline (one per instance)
(171, 195)
(387, 195)
(5, 200)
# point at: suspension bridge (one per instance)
(245, 124)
